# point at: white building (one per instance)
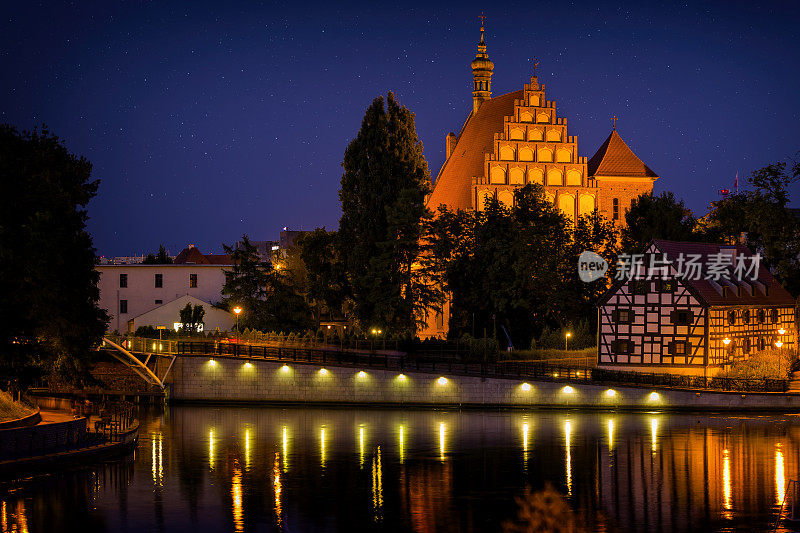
(166, 316)
(128, 291)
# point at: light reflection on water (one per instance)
(202, 468)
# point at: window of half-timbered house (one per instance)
(761, 343)
(731, 317)
(761, 316)
(623, 347)
(678, 348)
(624, 316)
(773, 315)
(746, 345)
(746, 316)
(681, 318)
(640, 286)
(666, 285)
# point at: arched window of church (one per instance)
(615, 209)
(563, 156)
(507, 153)
(497, 174)
(534, 100)
(566, 203)
(585, 204)
(516, 134)
(574, 177)
(553, 135)
(516, 176)
(554, 177)
(483, 197)
(525, 154)
(535, 135)
(545, 154)
(535, 175)
(543, 118)
(525, 117)
(506, 198)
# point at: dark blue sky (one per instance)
(208, 120)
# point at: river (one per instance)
(204, 468)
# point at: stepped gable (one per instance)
(615, 159)
(453, 186)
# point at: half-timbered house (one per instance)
(671, 318)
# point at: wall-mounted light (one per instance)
(654, 396)
(568, 390)
(611, 393)
(442, 381)
(526, 387)
(726, 341)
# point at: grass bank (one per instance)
(584, 357)
(10, 410)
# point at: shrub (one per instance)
(772, 363)
(582, 337)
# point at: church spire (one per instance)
(482, 68)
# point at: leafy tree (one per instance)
(382, 193)
(761, 219)
(49, 317)
(657, 217)
(517, 266)
(191, 317)
(159, 259)
(268, 301)
(326, 281)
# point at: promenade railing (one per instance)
(452, 362)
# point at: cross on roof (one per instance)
(614, 122)
(535, 64)
(482, 17)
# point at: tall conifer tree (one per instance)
(383, 192)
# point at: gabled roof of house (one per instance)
(615, 159)
(453, 185)
(705, 290)
(192, 255)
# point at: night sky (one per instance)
(208, 120)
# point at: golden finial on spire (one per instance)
(483, 18)
(535, 64)
(614, 122)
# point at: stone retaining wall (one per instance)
(234, 380)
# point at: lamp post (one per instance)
(566, 340)
(237, 310)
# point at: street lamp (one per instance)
(237, 310)
(726, 341)
(566, 339)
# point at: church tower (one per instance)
(482, 68)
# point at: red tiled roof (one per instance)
(614, 158)
(193, 256)
(706, 291)
(453, 186)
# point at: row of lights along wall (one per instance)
(442, 381)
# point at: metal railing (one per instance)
(430, 361)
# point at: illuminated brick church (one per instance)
(517, 138)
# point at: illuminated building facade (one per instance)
(518, 138)
(664, 322)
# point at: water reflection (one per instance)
(727, 503)
(568, 461)
(277, 488)
(423, 471)
(236, 497)
(780, 482)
